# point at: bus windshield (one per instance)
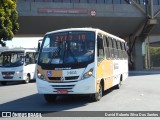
(68, 47)
(11, 59)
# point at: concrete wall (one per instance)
(138, 57)
(155, 38)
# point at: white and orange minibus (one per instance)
(17, 64)
(80, 61)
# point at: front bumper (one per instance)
(86, 86)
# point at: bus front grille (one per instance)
(63, 87)
(8, 75)
(4, 73)
(72, 78)
(54, 78)
(63, 78)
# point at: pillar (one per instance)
(138, 56)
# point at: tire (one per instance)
(118, 86)
(97, 96)
(28, 79)
(50, 98)
(4, 82)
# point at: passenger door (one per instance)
(30, 64)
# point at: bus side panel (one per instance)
(125, 74)
(105, 72)
(30, 69)
(120, 70)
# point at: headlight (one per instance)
(39, 75)
(88, 74)
(19, 72)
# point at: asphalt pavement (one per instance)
(138, 93)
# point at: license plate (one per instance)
(7, 75)
(62, 91)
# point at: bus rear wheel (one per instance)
(97, 96)
(50, 97)
(118, 86)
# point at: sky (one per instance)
(24, 42)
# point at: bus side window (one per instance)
(100, 48)
(30, 57)
(33, 55)
(116, 50)
(121, 44)
(110, 47)
(107, 47)
(125, 51)
(120, 50)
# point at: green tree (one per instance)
(8, 20)
(155, 56)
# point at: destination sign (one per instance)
(80, 37)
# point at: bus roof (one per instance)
(87, 29)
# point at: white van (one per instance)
(17, 65)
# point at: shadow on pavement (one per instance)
(16, 83)
(36, 102)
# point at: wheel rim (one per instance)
(27, 80)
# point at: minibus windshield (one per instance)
(68, 47)
(11, 59)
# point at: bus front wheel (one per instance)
(50, 97)
(97, 96)
(27, 79)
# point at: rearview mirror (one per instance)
(39, 44)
